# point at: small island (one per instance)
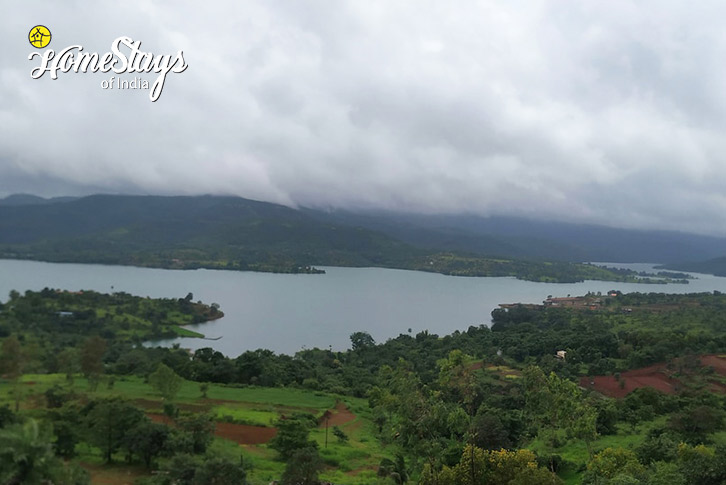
(52, 315)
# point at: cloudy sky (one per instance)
(607, 112)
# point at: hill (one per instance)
(715, 266)
(28, 199)
(236, 233)
(187, 232)
(540, 239)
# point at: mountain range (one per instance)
(225, 231)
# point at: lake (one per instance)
(285, 313)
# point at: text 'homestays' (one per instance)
(125, 57)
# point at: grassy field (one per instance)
(353, 462)
(575, 451)
(185, 332)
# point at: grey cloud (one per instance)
(606, 113)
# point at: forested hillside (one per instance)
(535, 238)
(240, 234)
(716, 266)
(477, 406)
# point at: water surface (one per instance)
(285, 312)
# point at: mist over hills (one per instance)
(29, 199)
(153, 229)
(113, 228)
(536, 239)
(715, 266)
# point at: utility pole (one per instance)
(326, 429)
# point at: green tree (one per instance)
(662, 473)
(487, 431)
(480, 467)
(55, 396)
(583, 424)
(553, 403)
(422, 420)
(220, 471)
(11, 366)
(166, 382)
(696, 422)
(394, 469)
(702, 465)
(11, 358)
(303, 467)
(507, 467)
(612, 462)
(661, 446)
(361, 340)
(7, 416)
(26, 457)
(107, 423)
(184, 469)
(92, 352)
(26, 453)
(457, 375)
(69, 363)
(180, 470)
(170, 410)
(67, 428)
(146, 440)
(200, 428)
(340, 434)
(292, 435)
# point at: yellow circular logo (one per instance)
(39, 36)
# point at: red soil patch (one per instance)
(718, 363)
(242, 434)
(337, 416)
(114, 474)
(160, 418)
(655, 376)
(194, 408)
(245, 434)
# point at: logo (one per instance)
(125, 57)
(39, 36)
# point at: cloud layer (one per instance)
(605, 112)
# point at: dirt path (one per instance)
(337, 416)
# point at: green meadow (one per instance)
(351, 462)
